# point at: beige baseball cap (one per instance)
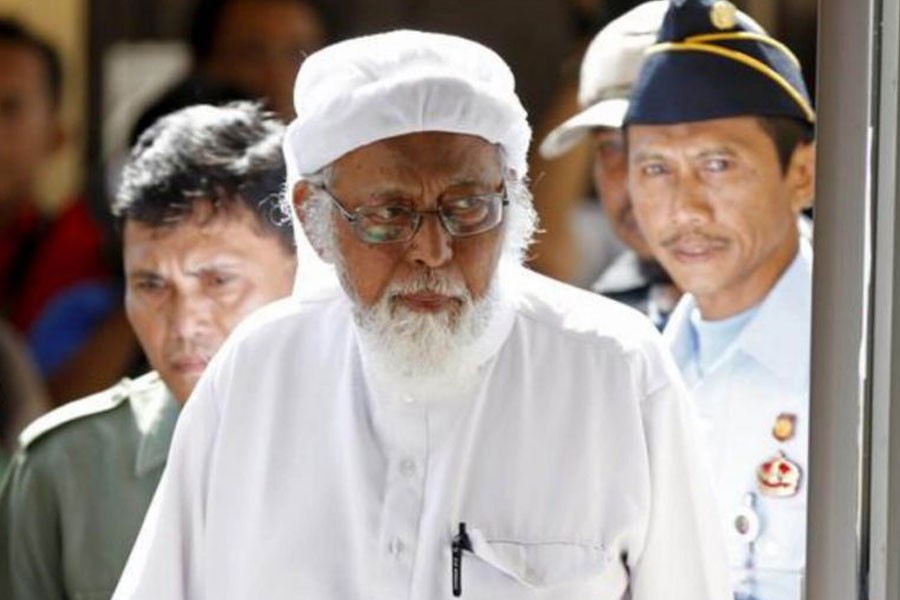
(608, 71)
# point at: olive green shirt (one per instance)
(77, 489)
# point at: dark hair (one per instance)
(786, 133)
(13, 32)
(208, 14)
(228, 155)
(194, 89)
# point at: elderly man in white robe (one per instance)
(425, 418)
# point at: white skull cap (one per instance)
(375, 87)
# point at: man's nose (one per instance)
(431, 246)
(689, 201)
(187, 316)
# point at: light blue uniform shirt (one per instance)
(712, 338)
(756, 371)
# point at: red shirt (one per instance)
(41, 257)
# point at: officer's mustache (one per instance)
(693, 235)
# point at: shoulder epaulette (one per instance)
(142, 383)
(78, 409)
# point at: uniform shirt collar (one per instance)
(155, 411)
(714, 338)
(778, 336)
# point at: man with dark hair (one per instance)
(721, 163)
(205, 244)
(247, 48)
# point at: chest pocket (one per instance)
(552, 570)
(782, 545)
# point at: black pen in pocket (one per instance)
(461, 542)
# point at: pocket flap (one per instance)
(540, 563)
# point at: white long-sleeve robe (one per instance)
(573, 462)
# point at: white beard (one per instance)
(424, 353)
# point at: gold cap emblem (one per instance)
(723, 14)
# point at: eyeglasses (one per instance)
(460, 217)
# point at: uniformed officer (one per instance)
(721, 162)
(202, 249)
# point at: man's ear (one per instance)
(801, 176)
(302, 193)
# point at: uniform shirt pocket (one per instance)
(782, 545)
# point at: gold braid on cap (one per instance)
(744, 36)
(697, 44)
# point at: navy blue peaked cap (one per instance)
(711, 62)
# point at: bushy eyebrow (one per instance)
(214, 266)
(387, 189)
(652, 155)
(717, 151)
(644, 155)
(468, 180)
(143, 273)
(382, 190)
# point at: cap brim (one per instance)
(606, 113)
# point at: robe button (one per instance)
(408, 467)
(396, 546)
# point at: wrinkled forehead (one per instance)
(208, 227)
(734, 132)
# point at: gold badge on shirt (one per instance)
(779, 477)
(785, 427)
(723, 14)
